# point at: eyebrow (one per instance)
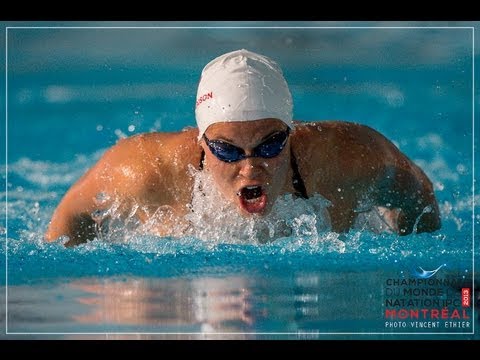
(272, 133)
(232, 142)
(221, 138)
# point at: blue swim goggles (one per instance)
(269, 148)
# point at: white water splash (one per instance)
(214, 218)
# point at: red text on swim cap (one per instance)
(204, 97)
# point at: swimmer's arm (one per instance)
(119, 174)
(72, 217)
(411, 194)
(403, 192)
(358, 162)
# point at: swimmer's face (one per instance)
(252, 183)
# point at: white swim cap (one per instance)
(242, 86)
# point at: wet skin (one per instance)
(272, 175)
(347, 163)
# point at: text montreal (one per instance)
(426, 314)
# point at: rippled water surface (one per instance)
(72, 93)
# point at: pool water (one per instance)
(72, 93)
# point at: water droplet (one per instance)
(461, 169)
(99, 127)
(98, 215)
(119, 133)
(131, 128)
(36, 208)
(339, 189)
(101, 198)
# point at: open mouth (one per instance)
(253, 199)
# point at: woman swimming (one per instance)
(253, 153)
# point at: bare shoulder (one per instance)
(143, 163)
(347, 162)
(146, 161)
(343, 147)
(142, 147)
(337, 132)
(146, 171)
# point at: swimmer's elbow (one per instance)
(56, 228)
(50, 234)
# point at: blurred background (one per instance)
(75, 88)
(102, 84)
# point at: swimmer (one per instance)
(254, 153)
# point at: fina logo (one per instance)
(420, 273)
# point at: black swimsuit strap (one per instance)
(297, 180)
(202, 159)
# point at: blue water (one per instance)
(72, 93)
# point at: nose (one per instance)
(250, 168)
